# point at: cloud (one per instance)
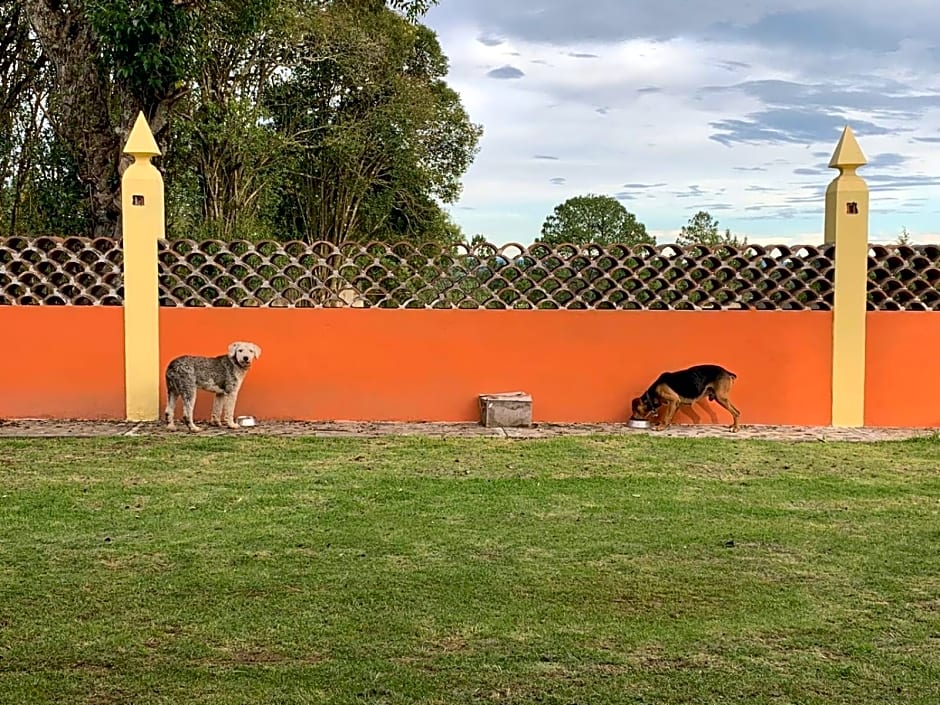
(600, 20)
(632, 191)
(813, 28)
(793, 125)
(840, 25)
(887, 182)
(885, 96)
(733, 65)
(504, 72)
(490, 40)
(693, 192)
(744, 101)
(887, 160)
(713, 207)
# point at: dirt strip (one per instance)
(38, 428)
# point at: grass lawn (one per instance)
(411, 570)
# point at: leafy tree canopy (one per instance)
(318, 119)
(702, 229)
(594, 219)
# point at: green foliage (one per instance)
(478, 244)
(702, 229)
(412, 9)
(23, 140)
(602, 220)
(378, 135)
(306, 119)
(51, 198)
(421, 221)
(147, 44)
(223, 170)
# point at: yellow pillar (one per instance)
(142, 219)
(847, 228)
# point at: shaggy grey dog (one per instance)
(220, 375)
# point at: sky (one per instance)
(676, 106)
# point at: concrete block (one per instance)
(506, 410)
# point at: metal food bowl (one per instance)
(245, 421)
(638, 423)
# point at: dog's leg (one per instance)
(671, 401)
(732, 409)
(722, 392)
(671, 407)
(666, 412)
(189, 405)
(228, 406)
(217, 409)
(170, 411)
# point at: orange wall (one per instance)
(62, 362)
(902, 378)
(67, 362)
(373, 364)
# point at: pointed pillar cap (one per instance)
(848, 154)
(140, 141)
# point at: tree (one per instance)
(105, 60)
(225, 159)
(593, 219)
(477, 245)
(702, 229)
(23, 87)
(109, 59)
(412, 9)
(379, 136)
(904, 238)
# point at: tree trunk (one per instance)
(89, 112)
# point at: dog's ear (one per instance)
(638, 409)
(255, 349)
(233, 348)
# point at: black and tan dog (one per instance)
(672, 389)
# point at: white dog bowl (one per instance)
(245, 421)
(638, 423)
